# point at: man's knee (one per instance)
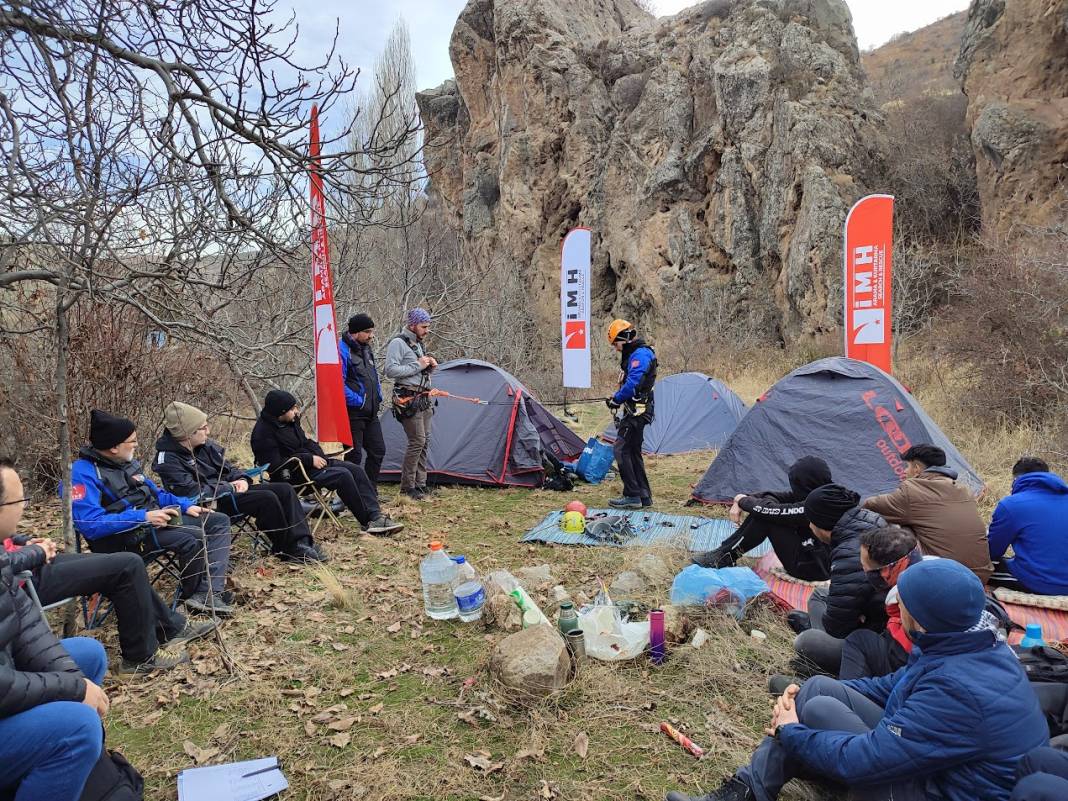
(128, 564)
(1040, 787)
(78, 733)
(817, 687)
(89, 655)
(1044, 760)
(822, 712)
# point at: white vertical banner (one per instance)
(575, 308)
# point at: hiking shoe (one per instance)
(426, 490)
(798, 621)
(734, 789)
(303, 553)
(192, 631)
(715, 558)
(309, 508)
(415, 493)
(210, 606)
(625, 502)
(163, 659)
(647, 502)
(337, 506)
(778, 683)
(382, 526)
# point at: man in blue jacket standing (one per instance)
(632, 405)
(1034, 521)
(952, 724)
(363, 395)
(117, 508)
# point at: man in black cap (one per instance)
(363, 395)
(852, 601)
(118, 508)
(279, 441)
(779, 517)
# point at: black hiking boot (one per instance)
(626, 502)
(192, 631)
(734, 789)
(798, 621)
(383, 526)
(715, 558)
(778, 683)
(163, 659)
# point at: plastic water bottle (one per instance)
(438, 574)
(468, 591)
(1032, 636)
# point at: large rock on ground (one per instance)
(533, 661)
(1013, 66)
(714, 154)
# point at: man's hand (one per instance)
(197, 511)
(47, 545)
(241, 485)
(426, 361)
(611, 403)
(96, 698)
(785, 711)
(735, 513)
(433, 362)
(318, 462)
(158, 518)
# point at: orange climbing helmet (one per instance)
(617, 328)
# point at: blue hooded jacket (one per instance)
(960, 715)
(1034, 521)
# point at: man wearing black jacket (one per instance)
(363, 395)
(192, 465)
(852, 601)
(779, 517)
(279, 441)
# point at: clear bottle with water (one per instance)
(438, 575)
(468, 590)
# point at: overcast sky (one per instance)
(365, 24)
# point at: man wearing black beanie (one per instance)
(363, 395)
(851, 602)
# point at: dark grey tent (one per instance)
(693, 413)
(499, 443)
(849, 413)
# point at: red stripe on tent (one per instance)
(511, 434)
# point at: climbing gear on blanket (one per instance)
(610, 528)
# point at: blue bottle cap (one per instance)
(458, 559)
(1033, 630)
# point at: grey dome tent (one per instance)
(693, 413)
(498, 443)
(849, 413)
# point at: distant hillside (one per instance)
(919, 63)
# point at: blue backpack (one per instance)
(596, 461)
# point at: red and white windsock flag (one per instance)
(331, 416)
(868, 251)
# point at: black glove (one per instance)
(611, 403)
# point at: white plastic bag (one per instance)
(608, 638)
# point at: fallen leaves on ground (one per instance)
(482, 761)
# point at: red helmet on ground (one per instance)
(576, 506)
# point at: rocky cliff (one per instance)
(714, 154)
(1013, 65)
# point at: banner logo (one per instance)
(575, 335)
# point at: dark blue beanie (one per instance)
(942, 595)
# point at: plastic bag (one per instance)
(596, 461)
(728, 587)
(608, 638)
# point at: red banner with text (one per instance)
(868, 250)
(331, 416)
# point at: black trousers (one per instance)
(366, 439)
(352, 486)
(144, 619)
(630, 433)
(276, 509)
(807, 564)
(869, 654)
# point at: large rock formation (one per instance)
(714, 154)
(1013, 65)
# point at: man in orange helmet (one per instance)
(633, 408)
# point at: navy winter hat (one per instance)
(278, 402)
(107, 430)
(360, 322)
(942, 595)
(825, 505)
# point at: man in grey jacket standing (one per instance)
(409, 366)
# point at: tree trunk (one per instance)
(65, 455)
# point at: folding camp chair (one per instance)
(26, 578)
(306, 488)
(160, 563)
(244, 524)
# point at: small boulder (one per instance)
(627, 584)
(654, 570)
(700, 637)
(534, 661)
(501, 611)
(533, 578)
(559, 595)
(676, 624)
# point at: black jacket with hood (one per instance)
(204, 473)
(274, 443)
(852, 600)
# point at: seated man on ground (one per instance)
(942, 513)
(851, 602)
(190, 464)
(51, 703)
(1033, 520)
(279, 441)
(144, 620)
(951, 725)
(117, 508)
(779, 517)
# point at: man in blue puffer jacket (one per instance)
(951, 725)
(363, 395)
(1034, 521)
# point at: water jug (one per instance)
(438, 574)
(468, 591)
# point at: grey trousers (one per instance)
(817, 651)
(417, 429)
(827, 704)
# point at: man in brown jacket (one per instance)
(941, 513)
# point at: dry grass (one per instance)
(343, 677)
